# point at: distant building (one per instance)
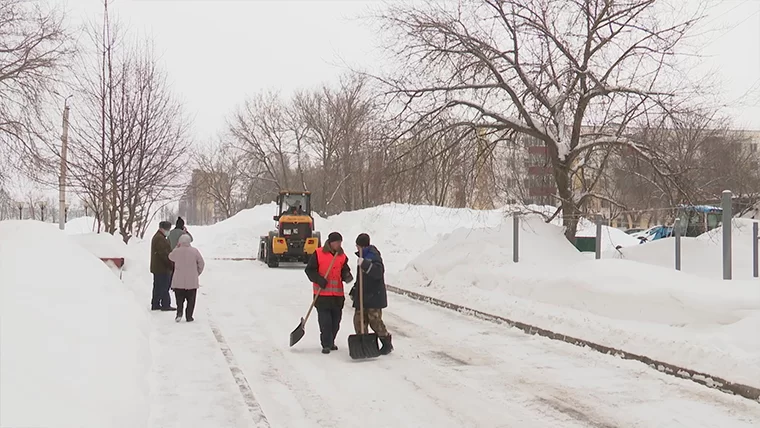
(196, 206)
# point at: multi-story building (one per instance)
(534, 179)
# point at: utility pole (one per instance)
(62, 176)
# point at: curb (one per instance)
(703, 379)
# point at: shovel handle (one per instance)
(361, 300)
(303, 320)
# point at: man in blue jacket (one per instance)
(375, 294)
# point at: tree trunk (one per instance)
(570, 211)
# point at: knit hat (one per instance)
(362, 240)
(180, 223)
(334, 237)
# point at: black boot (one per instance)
(387, 345)
(325, 350)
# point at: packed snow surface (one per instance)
(74, 350)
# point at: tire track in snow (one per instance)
(484, 377)
(275, 370)
(541, 374)
(257, 413)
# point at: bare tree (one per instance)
(704, 156)
(222, 179)
(34, 47)
(128, 146)
(339, 130)
(260, 129)
(574, 75)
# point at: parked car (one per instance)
(654, 233)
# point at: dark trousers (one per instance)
(161, 284)
(329, 324)
(183, 295)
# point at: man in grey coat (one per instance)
(179, 230)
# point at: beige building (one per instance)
(196, 206)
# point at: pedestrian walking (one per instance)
(329, 285)
(375, 294)
(161, 268)
(188, 266)
(179, 230)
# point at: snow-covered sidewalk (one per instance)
(191, 383)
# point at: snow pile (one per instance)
(81, 225)
(702, 255)
(402, 230)
(237, 236)
(101, 245)
(611, 237)
(74, 343)
(664, 314)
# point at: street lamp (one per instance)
(64, 150)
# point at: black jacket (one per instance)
(373, 271)
(312, 272)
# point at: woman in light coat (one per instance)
(188, 265)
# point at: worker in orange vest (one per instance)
(329, 285)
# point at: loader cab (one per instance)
(293, 204)
(695, 220)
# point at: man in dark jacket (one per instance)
(375, 294)
(179, 230)
(329, 285)
(161, 268)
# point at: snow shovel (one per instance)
(299, 332)
(364, 345)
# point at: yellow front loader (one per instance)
(294, 239)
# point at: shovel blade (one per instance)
(297, 334)
(363, 346)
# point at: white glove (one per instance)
(361, 260)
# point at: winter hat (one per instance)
(362, 240)
(165, 225)
(334, 237)
(184, 241)
(180, 223)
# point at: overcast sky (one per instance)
(218, 52)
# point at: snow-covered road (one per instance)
(448, 370)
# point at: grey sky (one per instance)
(219, 52)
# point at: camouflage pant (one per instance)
(373, 318)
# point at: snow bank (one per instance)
(81, 225)
(101, 245)
(402, 231)
(238, 236)
(74, 342)
(701, 255)
(611, 237)
(658, 312)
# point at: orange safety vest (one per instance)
(334, 279)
